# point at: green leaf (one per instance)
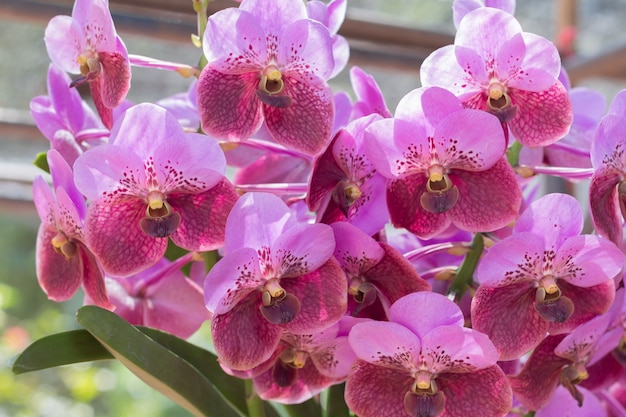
(41, 161)
(60, 349)
(335, 403)
(310, 408)
(156, 365)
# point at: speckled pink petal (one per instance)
(508, 317)
(442, 68)
(306, 49)
(335, 358)
(203, 217)
(326, 174)
(58, 276)
(243, 338)
(115, 77)
(93, 280)
(588, 303)
(539, 377)
(488, 200)
(232, 279)
(323, 298)
(112, 232)
(394, 276)
(588, 260)
(515, 259)
(301, 249)
(555, 217)
(483, 393)
(95, 17)
(105, 112)
(305, 125)
(405, 210)
(604, 204)
(228, 106)
(579, 345)
(356, 252)
(607, 147)
(374, 391)
(542, 117)
(386, 344)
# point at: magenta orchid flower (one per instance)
(429, 366)
(607, 192)
(65, 119)
(563, 359)
(446, 163)
(63, 260)
(545, 277)
(153, 181)
(494, 66)
(304, 365)
(160, 297)
(87, 44)
(345, 186)
(276, 275)
(378, 275)
(272, 68)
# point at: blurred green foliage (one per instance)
(103, 389)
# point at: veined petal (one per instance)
(115, 77)
(94, 16)
(306, 124)
(234, 42)
(588, 260)
(203, 217)
(457, 349)
(579, 345)
(515, 259)
(113, 233)
(433, 309)
(483, 393)
(93, 279)
(326, 174)
(507, 315)
(322, 295)
(543, 117)
(63, 177)
(274, 19)
(405, 210)
(58, 276)
(65, 41)
(302, 249)
(231, 280)
(474, 211)
(539, 377)
(243, 338)
(373, 390)
(386, 344)
(227, 104)
(306, 49)
(604, 204)
(556, 217)
(256, 221)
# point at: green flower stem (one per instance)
(253, 401)
(465, 275)
(335, 402)
(200, 7)
(512, 154)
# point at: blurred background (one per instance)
(388, 39)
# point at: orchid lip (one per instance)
(64, 245)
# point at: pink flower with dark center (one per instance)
(153, 181)
(345, 186)
(63, 261)
(268, 62)
(446, 163)
(607, 190)
(276, 275)
(545, 277)
(87, 44)
(494, 66)
(378, 275)
(423, 362)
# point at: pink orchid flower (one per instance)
(87, 44)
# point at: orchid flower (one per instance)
(87, 44)
(267, 62)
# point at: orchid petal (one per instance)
(302, 249)
(386, 344)
(356, 251)
(65, 41)
(433, 309)
(604, 204)
(588, 260)
(306, 50)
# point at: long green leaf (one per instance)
(60, 349)
(157, 366)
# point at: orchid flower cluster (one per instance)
(407, 255)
